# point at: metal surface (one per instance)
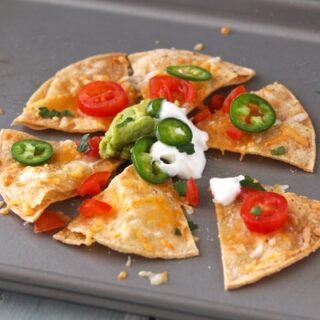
(280, 40)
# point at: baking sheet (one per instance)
(280, 40)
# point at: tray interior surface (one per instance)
(37, 38)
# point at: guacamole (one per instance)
(128, 125)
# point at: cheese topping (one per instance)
(225, 190)
(169, 158)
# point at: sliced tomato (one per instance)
(245, 192)
(93, 207)
(234, 133)
(49, 220)
(102, 99)
(93, 143)
(232, 95)
(93, 184)
(203, 114)
(264, 212)
(216, 102)
(172, 89)
(192, 193)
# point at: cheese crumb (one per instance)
(129, 262)
(225, 30)
(156, 279)
(122, 275)
(198, 47)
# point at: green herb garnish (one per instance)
(186, 147)
(181, 187)
(256, 210)
(177, 232)
(278, 151)
(193, 226)
(45, 113)
(248, 182)
(84, 146)
(124, 122)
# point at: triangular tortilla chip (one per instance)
(293, 130)
(148, 64)
(143, 221)
(249, 256)
(61, 90)
(28, 191)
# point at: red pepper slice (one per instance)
(102, 99)
(264, 212)
(232, 95)
(172, 89)
(203, 114)
(216, 102)
(93, 207)
(192, 193)
(234, 133)
(49, 220)
(93, 184)
(93, 143)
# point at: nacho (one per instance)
(293, 131)
(148, 64)
(60, 93)
(143, 221)
(28, 190)
(249, 256)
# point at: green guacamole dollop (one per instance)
(128, 125)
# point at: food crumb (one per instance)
(156, 42)
(5, 210)
(156, 279)
(198, 47)
(122, 275)
(225, 30)
(196, 239)
(1, 111)
(129, 262)
(209, 267)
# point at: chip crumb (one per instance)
(122, 275)
(156, 42)
(5, 210)
(156, 279)
(1, 111)
(129, 262)
(198, 47)
(225, 30)
(196, 239)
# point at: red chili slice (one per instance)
(192, 193)
(93, 184)
(264, 212)
(49, 220)
(203, 114)
(172, 89)
(234, 133)
(102, 99)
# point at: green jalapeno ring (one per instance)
(189, 72)
(173, 132)
(31, 152)
(146, 168)
(154, 107)
(240, 111)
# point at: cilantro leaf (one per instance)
(186, 147)
(45, 113)
(177, 232)
(248, 182)
(84, 146)
(281, 150)
(193, 226)
(181, 187)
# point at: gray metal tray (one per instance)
(279, 39)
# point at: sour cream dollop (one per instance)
(169, 158)
(225, 190)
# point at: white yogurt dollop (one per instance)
(170, 159)
(225, 190)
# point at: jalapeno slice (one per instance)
(31, 152)
(173, 132)
(251, 113)
(143, 163)
(154, 107)
(191, 73)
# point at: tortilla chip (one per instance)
(249, 256)
(60, 93)
(293, 130)
(28, 190)
(148, 64)
(143, 220)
